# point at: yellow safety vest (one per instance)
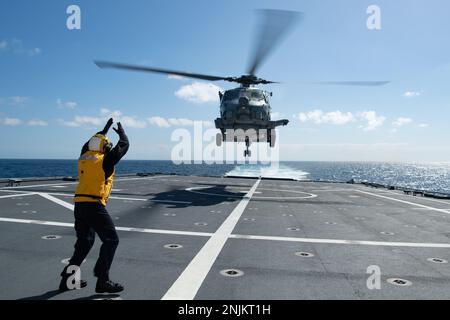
(93, 187)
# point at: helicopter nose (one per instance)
(243, 101)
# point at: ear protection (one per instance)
(100, 143)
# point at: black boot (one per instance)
(63, 284)
(107, 286)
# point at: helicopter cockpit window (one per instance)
(257, 95)
(231, 95)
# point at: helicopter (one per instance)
(245, 111)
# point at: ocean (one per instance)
(433, 177)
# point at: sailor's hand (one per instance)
(119, 129)
(107, 126)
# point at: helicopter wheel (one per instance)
(219, 139)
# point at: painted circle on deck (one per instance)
(173, 246)
(51, 237)
(233, 273)
(302, 195)
(399, 282)
(304, 254)
(437, 260)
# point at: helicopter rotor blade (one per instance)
(130, 67)
(273, 26)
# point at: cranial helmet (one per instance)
(100, 143)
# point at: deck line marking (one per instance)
(123, 198)
(57, 201)
(190, 280)
(126, 229)
(69, 183)
(348, 242)
(38, 185)
(423, 198)
(45, 223)
(403, 201)
(244, 237)
(17, 195)
(111, 197)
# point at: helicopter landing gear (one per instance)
(219, 139)
(271, 137)
(247, 152)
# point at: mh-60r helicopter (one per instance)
(245, 112)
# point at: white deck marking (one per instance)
(190, 280)
(423, 198)
(45, 223)
(123, 198)
(403, 201)
(348, 242)
(69, 183)
(56, 200)
(244, 237)
(17, 195)
(126, 229)
(38, 185)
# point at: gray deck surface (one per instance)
(222, 224)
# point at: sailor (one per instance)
(96, 173)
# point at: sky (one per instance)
(53, 97)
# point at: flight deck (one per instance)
(190, 237)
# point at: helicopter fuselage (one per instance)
(246, 108)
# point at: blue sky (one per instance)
(52, 96)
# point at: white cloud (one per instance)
(14, 101)
(320, 117)
(372, 120)
(199, 92)
(402, 121)
(159, 122)
(131, 122)
(110, 114)
(10, 121)
(37, 123)
(423, 125)
(18, 100)
(180, 122)
(66, 104)
(99, 121)
(17, 46)
(412, 94)
(278, 116)
(175, 77)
